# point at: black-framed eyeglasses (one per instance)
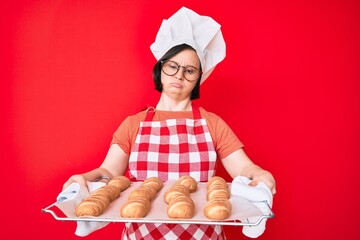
(171, 68)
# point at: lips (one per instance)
(177, 85)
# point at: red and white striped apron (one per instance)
(170, 149)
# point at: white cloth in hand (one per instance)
(71, 197)
(256, 194)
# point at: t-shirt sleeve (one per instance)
(123, 135)
(224, 139)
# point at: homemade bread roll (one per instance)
(139, 201)
(143, 192)
(98, 201)
(152, 190)
(218, 209)
(89, 208)
(155, 182)
(112, 192)
(121, 182)
(216, 180)
(181, 207)
(188, 182)
(174, 191)
(137, 207)
(218, 206)
(217, 190)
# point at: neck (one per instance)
(168, 104)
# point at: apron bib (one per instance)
(170, 149)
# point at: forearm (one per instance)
(239, 164)
(252, 170)
(97, 174)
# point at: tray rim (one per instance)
(175, 221)
(232, 222)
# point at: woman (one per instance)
(174, 139)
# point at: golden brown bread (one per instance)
(217, 190)
(216, 180)
(181, 207)
(218, 209)
(121, 182)
(174, 191)
(188, 182)
(180, 204)
(139, 201)
(155, 182)
(99, 200)
(218, 206)
(142, 192)
(88, 208)
(111, 192)
(137, 207)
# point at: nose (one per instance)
(180, 73)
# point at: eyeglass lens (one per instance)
(170, 68)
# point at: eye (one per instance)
(190, 70)
(172, 65)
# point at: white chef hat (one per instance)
(200, 32)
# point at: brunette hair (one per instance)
(169, 54)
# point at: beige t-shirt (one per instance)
(224, 139)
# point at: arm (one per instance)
(239, 164)
(114, 164)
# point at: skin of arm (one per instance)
(239, 164)
(114, 164)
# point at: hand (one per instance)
(80, 179)
(265, 177)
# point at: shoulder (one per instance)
(132, 121)
(215, 122)
(137, 117)
(209, 115)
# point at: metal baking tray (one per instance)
(244, 212)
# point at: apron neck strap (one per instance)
(196, 112)
(150, 112)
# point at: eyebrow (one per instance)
(181, 65)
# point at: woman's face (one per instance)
(177, 86)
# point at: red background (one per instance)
(71, 71)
